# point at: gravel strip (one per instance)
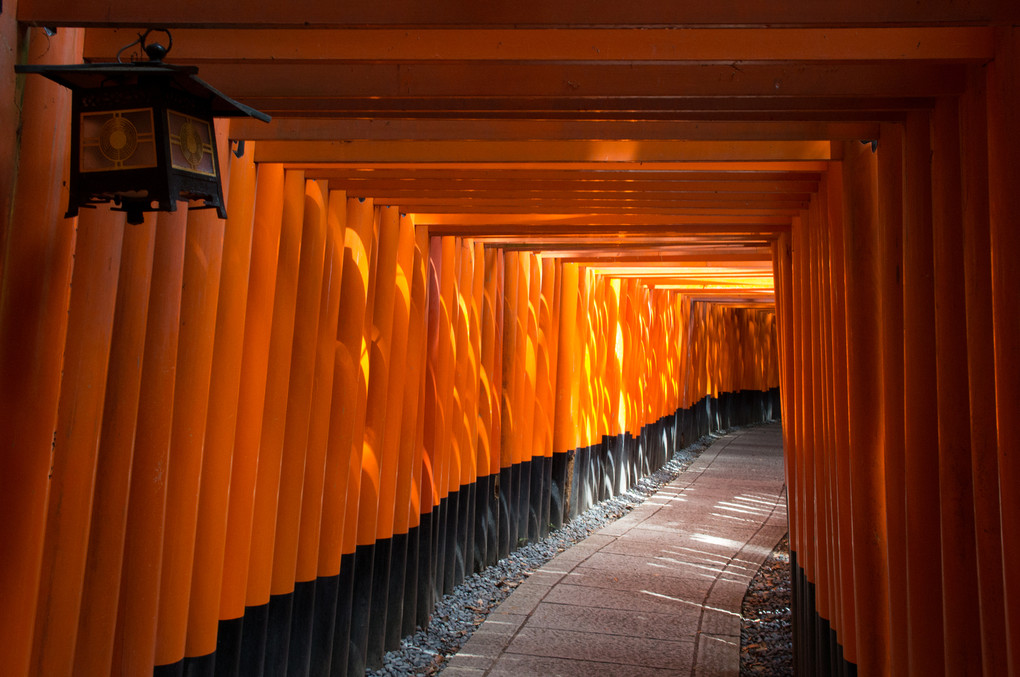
(766, 639)
(458, 614)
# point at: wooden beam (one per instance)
(528, 230)
(553, 246)
(584, 221)
(590, 82)
(523, 14)
(629, 45)
(746, 108)
(540, 151)
(313, 129)
(607, 259)
(582, 175)
(485, 187)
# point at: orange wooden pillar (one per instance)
(408, 499)
(97, 621)
(814, 562)
(34, 293)
(614, 372)
(521, 380)
(509, 440)
(529, 323)
(831, 366)
(924, 568)
(419, 577)
(455, 433)
(564, 431)
(445, 461)
(524, 399)
(489, 410)
(546, 389)
(864, 357)
(363, 487)
(202, 259)
(311, 604)
(833, 621)
(221, 424)
(464, 401)
(806, 453)
(832, 189)
(393, 293)
(1004, 205)
(578, 496)
(135, 642)
(300, 384)
(890, 256)
(431, 434)
(981, 368)
(817, 439)
(961, 617)
(267, 487)
(372, 557)
(258, 319)
(782, 271)
(476, 535)
(342, 472)
(75, 442)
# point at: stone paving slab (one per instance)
(657, 592)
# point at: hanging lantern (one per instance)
(142, 134)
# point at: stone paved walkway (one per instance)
(658, 592)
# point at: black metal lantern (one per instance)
(142, 133)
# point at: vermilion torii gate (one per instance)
(485, 267)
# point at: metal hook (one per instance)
(158, 51)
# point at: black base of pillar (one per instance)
(228, 647)
(253, 640)
(482, 524)
(379, 601)
(557, 492)
(545, 519)
(816, 649)
(169, 670)
(504, 518)
(200, 666)
(361, 610)
(491, 500)
(395, 598)
(409, 616)
(278, 634)
(536, 492)
(327, 590)
(302, 619)
(513, 491)
(424, 582)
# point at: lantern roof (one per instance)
(79, 77)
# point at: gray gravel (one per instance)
(766, 638)
(458, 614)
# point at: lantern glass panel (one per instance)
(191, 144)
(117, 140)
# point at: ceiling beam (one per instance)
(608, 220)
(536, 187)
(972, 44)
(582, 175)
(523, 13)
(504, 152)
(596, 85)
(749, 108)
(313, 129)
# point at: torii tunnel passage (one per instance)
(485, 267)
